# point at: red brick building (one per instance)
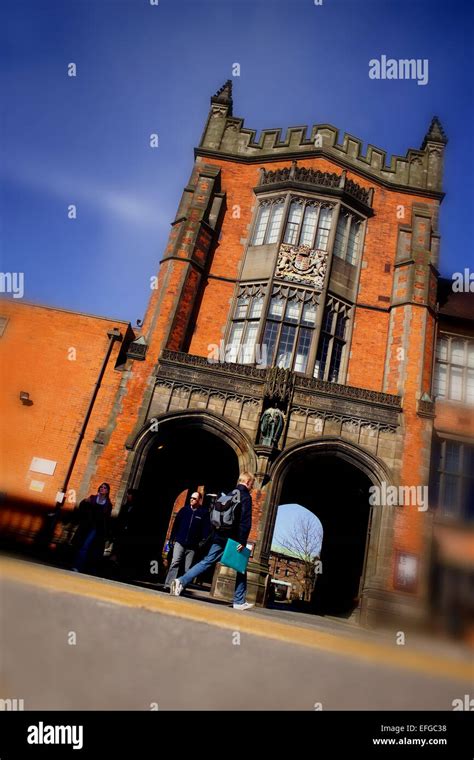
(310, 267)
(452, 476)
(289, 574)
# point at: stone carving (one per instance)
(349, 391)
(291, 293)
(300, 263)
(435, 133)
(223, 96)
(190, 396)
(271, 426)
(295, 173)
(137, 349)
(192, 360)
(315, 423)
(279, 386)
(358, 192)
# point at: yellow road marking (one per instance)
(109, 591)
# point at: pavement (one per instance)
(82, 643)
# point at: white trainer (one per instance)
(244, 606)
(176, 587)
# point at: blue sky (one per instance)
(143, 69)
(288, 516)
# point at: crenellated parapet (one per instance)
(226, 135)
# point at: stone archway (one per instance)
(177, 453)
(332, 477)
(176, 423)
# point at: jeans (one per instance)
(212, 557)
(82, 554)
(178, 552)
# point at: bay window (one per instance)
(242, 346)
(289, 328)
(308, 223)
(347, 238)
(332, 341)
(268, 223)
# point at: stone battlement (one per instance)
(419, 170)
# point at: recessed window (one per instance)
(308, 224)
(332, 341)
(242, 346)
(267, 226)
(454, 486)
(454, 370)
(289, 328)
(347, 238)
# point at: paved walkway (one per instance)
(188, 652)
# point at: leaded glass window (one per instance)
(289, 328)
(332, 341)
(268, 223)
(308, 223)
(242, 343)
(348, 236)
(454, 369)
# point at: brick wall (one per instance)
(55, 356)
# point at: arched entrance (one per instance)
(176, 454)
(331, 478)
(296, 552)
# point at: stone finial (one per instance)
(223, 96)
(435, 133)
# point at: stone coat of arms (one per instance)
(300, 263)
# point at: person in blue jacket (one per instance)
(190, 529)
(239, 531)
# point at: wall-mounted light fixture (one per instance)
(25, 398)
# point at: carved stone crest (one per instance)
(300, 263)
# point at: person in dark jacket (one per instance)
(190, 529)
(94, 525)
(239, 531)
(126, 535)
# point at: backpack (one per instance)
(223, 510)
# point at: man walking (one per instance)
(239, 531)
(191, 527)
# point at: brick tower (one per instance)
(290, 332)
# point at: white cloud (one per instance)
(76, 189)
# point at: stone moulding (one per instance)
(348, 391)
(209, 393)
(191, 360)
(299, 176)
(426, 409)
(177, 364)
(356, 422)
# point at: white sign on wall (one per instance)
(37, 485)
(44, 466)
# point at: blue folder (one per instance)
(234, 559)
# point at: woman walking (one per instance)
(93, 531)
